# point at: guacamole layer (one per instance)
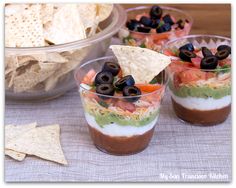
(201, 92)
(108, 118)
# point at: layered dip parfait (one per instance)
(200, 78)
(46, 42)
(121, 96)
(152, 26)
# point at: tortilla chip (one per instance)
(11, 76)
(66, 26)
(24, 59)
(11, 9)
(49, 66)
(88, 19)
(142, 63)
(15, 155)
(47, 11)
(104, 11)
(7, 71)
(24, 29)
(78, 56)
(43, 142)
(93, 30)
(25, 72)
(11, 62)
(50, 57)
(11, 132)
(29, 79)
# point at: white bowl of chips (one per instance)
(58, 41)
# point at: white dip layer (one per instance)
(195, 103)
(119, 130)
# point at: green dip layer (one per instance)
(105, 119)
(201, 92)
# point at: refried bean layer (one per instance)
(120, 145)
(199, 117)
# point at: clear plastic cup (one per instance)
(154, 41)
(116, 124)
(200, 96)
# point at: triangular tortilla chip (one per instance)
(43, 142)
(142, 63)
(66, 26)
(11, 132)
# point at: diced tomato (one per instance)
(89, 77)
(161, 36)
(196, 62)
(137, 35)
(210, 75)
(125, 105)
(153, 31)
(176, 80)
(91, 95)
(153, 36)
(169, 53)
(148, 88)
(192, 75)
(179, 66)
(225, 62)
(182, 63)
(154, 97)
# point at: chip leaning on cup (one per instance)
(46, 42)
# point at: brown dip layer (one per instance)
(208, 117)
(120, 145)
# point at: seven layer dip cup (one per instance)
(154, 41)
(205, 100)
(117, 126)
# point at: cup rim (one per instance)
(188, 16)
(165, 46)
(78, 82)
